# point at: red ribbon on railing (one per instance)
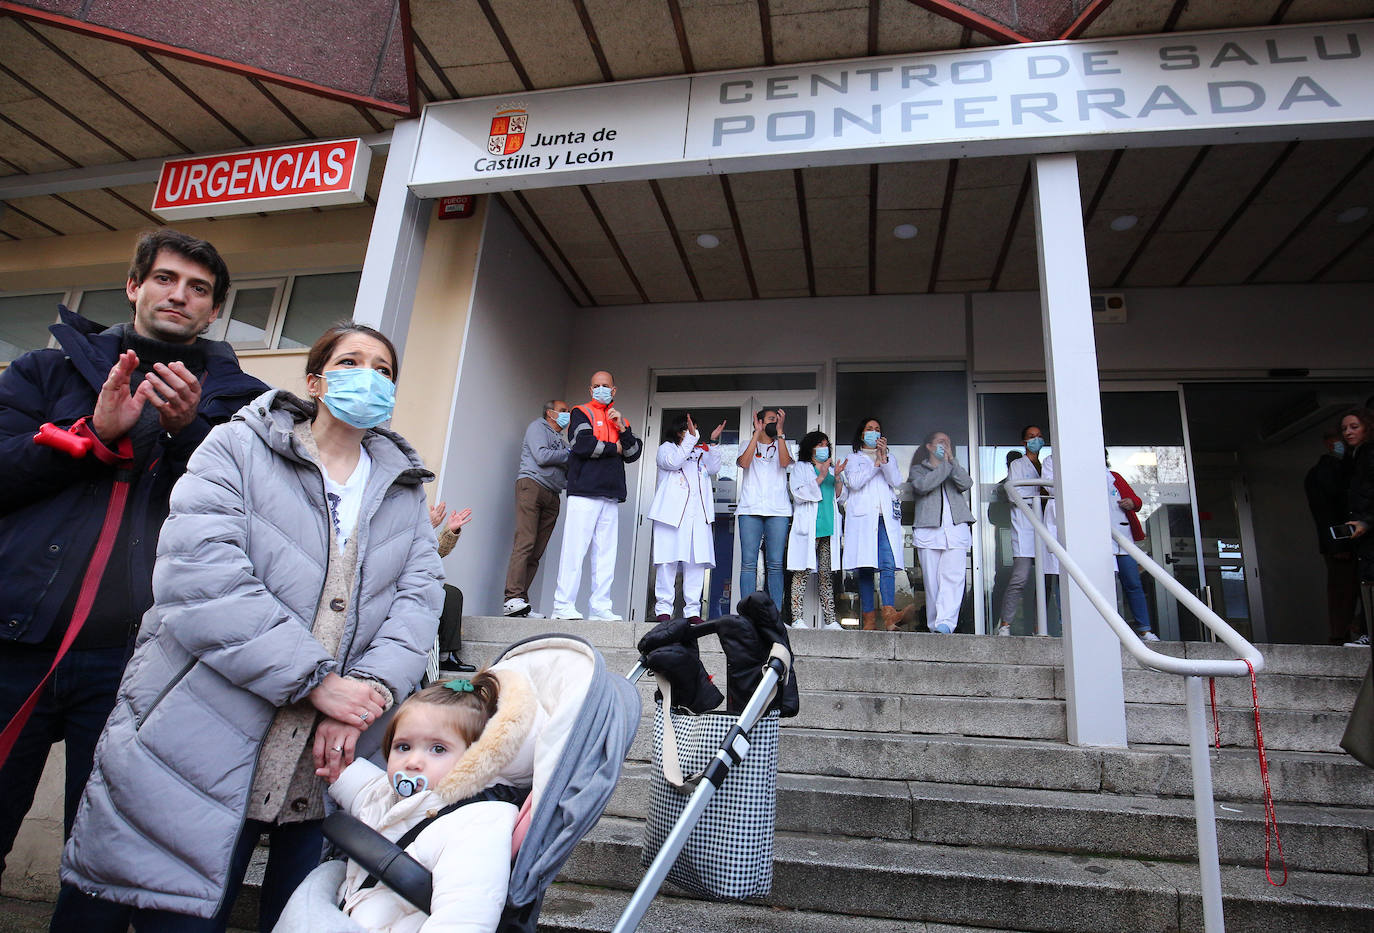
(1271, 819)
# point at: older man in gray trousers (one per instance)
(543, 476)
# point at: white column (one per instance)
(391, 269)
(1092, 652)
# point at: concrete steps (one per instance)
(987, 886)
(927, 786)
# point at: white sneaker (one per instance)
(1004, 628)
(605, 617)
(797, 623)
(943, 629)
(1148, 636)
(535, 615)
(1361, 642)
(833, 626)
(515, 606)
(569, 615)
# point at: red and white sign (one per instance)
(455, 206)
(277, 179)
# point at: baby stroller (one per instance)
(592, 719)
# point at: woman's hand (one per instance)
(1126, 505)
(335, 743)
(692, 427)
(1359, 528)
(715, 435)
(824, 469)
(457, 520)
(436, 513)
(348, 701)
(839, 466)
(882, 450)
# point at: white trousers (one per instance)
(665, 578)
(943, 572)
(589, 523)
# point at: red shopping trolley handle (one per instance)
(73, 445)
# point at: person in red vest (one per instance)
(601, 443)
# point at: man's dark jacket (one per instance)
(52, 506)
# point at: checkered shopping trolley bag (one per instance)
(729, 854)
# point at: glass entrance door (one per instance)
(1147, 445)
(709, 409)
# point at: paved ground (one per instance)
(18, 916)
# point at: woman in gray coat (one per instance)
(297, 592)
(941, 528)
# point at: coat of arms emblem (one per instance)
(507, 132)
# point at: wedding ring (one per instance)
(363, 716)
(339, 749)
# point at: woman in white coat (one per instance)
(816, 490)
(872, 522)
(683, 511)
(941, 528)
(1022, 535)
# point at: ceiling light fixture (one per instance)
(708, 241)
(1351, 214)
(904, 231)
(1124, 222)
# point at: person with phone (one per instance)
(765, 508)
(1357, 430)
(1325, 487)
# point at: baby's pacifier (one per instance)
(406, 785)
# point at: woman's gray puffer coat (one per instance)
(240, 569)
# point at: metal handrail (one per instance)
(1138, 649)
(1191, 669)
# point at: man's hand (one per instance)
(1127, 505)
(175, 392)
(1359, 528)
(782, 416)
(116, 408)
(617, 419)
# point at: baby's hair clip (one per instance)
(460, 685)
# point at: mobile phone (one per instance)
(1341, 532)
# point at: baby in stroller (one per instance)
(458, 768)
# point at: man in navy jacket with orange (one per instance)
(600, 444)
(122, 409)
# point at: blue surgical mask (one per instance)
(1035, 444)
(940, 451)
(822, 454)
(1338, 449)
(870, 438)
(561, 419)
(359, 396)
(603, 394)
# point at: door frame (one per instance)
(980, 386)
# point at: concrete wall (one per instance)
(514, 357)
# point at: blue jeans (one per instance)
(295, 851)
(887, 574)
(1129, 572)
(771, 531)
(73, 708)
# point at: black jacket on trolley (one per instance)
(595, 469)
(52, 505)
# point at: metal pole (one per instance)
(701, 797)
(1042, 615)
(1204, 813)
